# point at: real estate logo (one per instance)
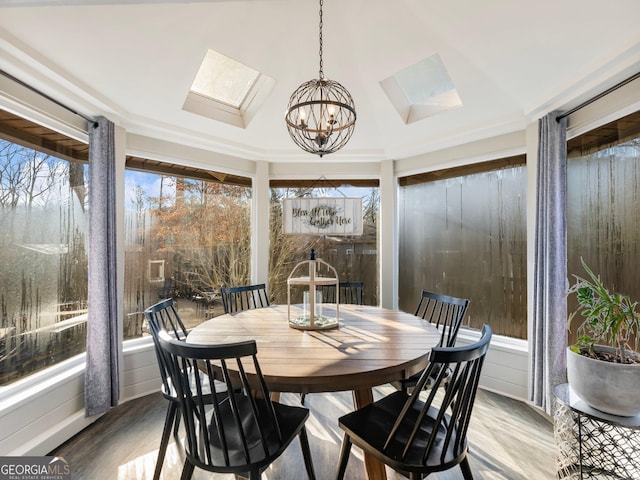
(34, 468)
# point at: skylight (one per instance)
(421, 90)
(223, 79)
(227, 90)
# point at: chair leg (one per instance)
(302, 395)
(176, 425)
(306, 454)
(168, 423)
(466, 469)
(187, 470)
(344, 457)
(254, 475)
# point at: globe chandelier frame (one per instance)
(321, 114)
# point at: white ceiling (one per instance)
(133, 61)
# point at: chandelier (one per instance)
(321, 115)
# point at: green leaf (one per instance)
(608, 318)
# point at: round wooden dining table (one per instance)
(371, 347)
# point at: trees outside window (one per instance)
(185, 238)
(355, 257)
(43, 260)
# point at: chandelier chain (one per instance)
(321, 73)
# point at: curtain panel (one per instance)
(548, 331)
(102, 369)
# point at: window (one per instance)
(603, 207)
(463, 233)
(421, 90)
(43, 260)
(227, 90)
(156, 270)
(354, 257)
(223, 79)
(185, 238)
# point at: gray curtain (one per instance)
(548, 331)
(102, 387)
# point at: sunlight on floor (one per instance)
(138, 467)
(142, 468)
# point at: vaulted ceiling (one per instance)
(510, 61)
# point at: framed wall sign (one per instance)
(322, 216)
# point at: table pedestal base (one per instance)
(375, 469)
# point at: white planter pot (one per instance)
(606, 386)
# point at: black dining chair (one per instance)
(237, 299)
(416, 437)
(166, 289)
(446, 313)
(163, 316)
(349, 293)
(242, 432)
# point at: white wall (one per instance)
(506, 365)
(388, 236)
(502, 146)
(45, 409)
(260, 222)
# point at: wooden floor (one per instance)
(508, 440)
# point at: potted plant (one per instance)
(602, 367)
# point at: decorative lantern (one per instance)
(314, 315)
